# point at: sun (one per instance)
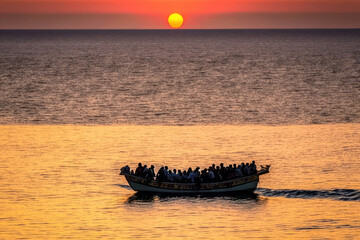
(175, 20)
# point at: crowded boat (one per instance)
(207, 175)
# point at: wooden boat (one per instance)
(247, 183)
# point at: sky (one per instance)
(198, 14)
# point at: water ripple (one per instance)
(334, 194)
(211, 77)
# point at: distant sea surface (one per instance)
(186, 77)
(75, 106)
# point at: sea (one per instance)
(77, 105)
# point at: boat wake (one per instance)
(334, 194)
(124, 186)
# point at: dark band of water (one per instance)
(335, 194)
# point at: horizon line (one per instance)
(163, 29)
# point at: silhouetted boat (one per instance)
(247, 183)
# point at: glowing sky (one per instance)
(147, 14)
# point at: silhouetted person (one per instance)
(150, 173)
(211, 175)
(218, 177)
(242, 167)
(178, 177)
(184, 176)
(139, 170)
(197, 178)
(253, 168)
(192, 176)
(238, 172)
(144, 171)
(166, 171)
(160, 176)
(125, 169)
(171, 176)
(204, 177)
(247, 169)
(223, 172)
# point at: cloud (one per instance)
(73, 21)
(184, 6)
(276, 20)
(192, 21)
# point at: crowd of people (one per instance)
(211, 174)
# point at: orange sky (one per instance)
(151, 13)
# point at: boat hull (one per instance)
(248, 183)
(248, 187)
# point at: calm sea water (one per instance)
(180, 77)
(78, 105)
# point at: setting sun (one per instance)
(175, 20)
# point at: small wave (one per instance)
(124, 186)
(335, 194)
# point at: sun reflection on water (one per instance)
(63, 182)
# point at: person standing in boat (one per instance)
(174, 175)
(160, 176)
(192, 176)
(174, 172)
(211, 174)
(197, 178)
(171, 176)
(204, 177)
(144, 171)
(231, 172)
(179, 176)
(247, 169)
(218, 177)
(238, 172)
(242, 168)
(150, 173)
(166, 172)
(139, 170)
(253, 167)
(223, 172)
(152, 170)
(184, 176)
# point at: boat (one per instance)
(242, 184)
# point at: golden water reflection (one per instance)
(62, 182)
